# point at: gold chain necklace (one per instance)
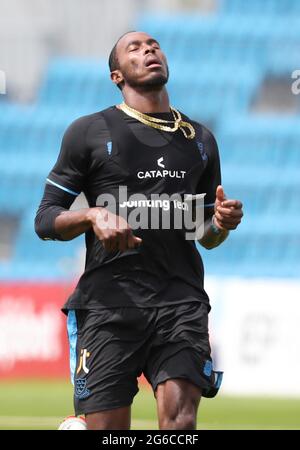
(161, 124)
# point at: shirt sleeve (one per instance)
(71, 172)
(66, 179)
(71, 167)
(53, 203)
(211, 177)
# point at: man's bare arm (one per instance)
(113, 231)
(70, 224)
(226, 216)
(212, 236)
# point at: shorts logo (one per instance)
(84, 354)
(81, 391)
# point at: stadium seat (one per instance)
(267, 7)
(75, 83)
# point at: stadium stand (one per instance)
(218, 63)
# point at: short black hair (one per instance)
(113, 61)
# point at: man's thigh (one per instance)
(177, 404)
(114, 419)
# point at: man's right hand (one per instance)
(113, 231)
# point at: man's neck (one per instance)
(153, 101)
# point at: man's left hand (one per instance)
(228, 213)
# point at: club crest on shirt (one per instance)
(203, 154)
(109, 147)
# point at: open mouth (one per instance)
(153, 62)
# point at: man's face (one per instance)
(142, 63)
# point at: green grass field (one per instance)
(39, 405)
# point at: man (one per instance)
(140, 306)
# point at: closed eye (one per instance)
(135, 45)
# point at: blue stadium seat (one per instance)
(213, 91)
(265, 7)
(59, 256)
(255, 253)
(260, 140)
(237, 38)
(76, 83)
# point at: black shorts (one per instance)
(111, 348)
